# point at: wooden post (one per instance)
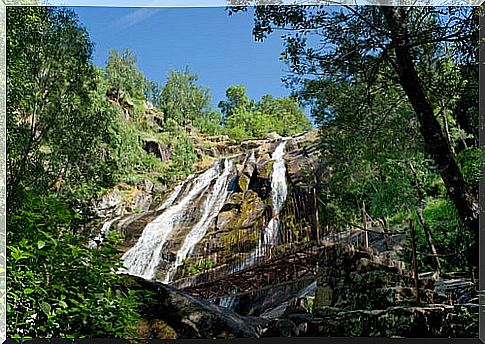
(364, 224)
(415, 260)
(317, 220)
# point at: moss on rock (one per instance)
(264, 170)
(243, 182)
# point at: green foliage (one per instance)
(196, 267)
(379, 81)
(181, 99)
(286, 115)
(210, 123)
(122, 74)
(236, 100)
(53, 119)
(450, 238)
(64, 134)
(247, 119)
(470, 161)
(184, 154)
(369, 157)
(57, 286)
(127, 154)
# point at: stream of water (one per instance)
(270, 235)
(144, 257)
(211, 209)
(209, 191)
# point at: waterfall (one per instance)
(279, 191)
(175, 193)
(106, 227)
(228, 302)
(144, 257)
(311, 289)
(102, 233)
(278, 311)
(212, 206)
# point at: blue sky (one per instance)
(218, 47)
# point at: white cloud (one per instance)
(134, 17)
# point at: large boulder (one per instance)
(108, 205)
(427, 321)
(191, 317)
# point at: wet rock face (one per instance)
(108, 204)
(125, 199)
(302, 159)
(190, 317)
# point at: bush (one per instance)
(449, 237)
(469, 161)
(57, 286)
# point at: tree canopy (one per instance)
(247, 118)
(54, 119)
(394, 61)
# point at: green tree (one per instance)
(406, 45)
(57, 286)
(123, 74)
(246, 118)
(237, 100)
(287, 114)
(182, 99)
(62, 136)
(53, 123)
(368, 156)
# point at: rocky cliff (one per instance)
(245, 204)
(233, 229)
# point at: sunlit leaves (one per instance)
(246, 118)
(63, 289)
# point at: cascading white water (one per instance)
(102, 233)
(212, 187)
(166, 203)
(144, 257)
(175, 193)
(279, 192)
(228, 302)
(212, 207)
(105, 229)
(278, 311)
(310, 289)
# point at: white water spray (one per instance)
(279, 191)
(104, 230)
(212, 206)
(144, 257)
(175, 193)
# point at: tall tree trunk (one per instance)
(435, 142)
